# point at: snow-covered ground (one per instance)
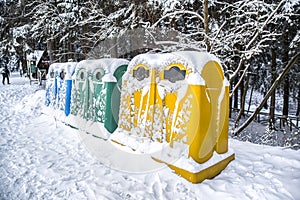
(41, 158)
(259, 133)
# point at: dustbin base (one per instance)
(207, 170)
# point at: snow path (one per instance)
(41, 158)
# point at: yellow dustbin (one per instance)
(179, 97)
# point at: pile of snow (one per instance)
(42, 158)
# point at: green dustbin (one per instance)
(114, 88)
(96, 91)
(110, 122)
(106, 96)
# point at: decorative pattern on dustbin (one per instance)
(50, 95)
(61, 88)
(97, 93)
(79, 83)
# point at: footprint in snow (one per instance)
(181, 188)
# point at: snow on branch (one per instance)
(254, 37)
(173, 14)
(265, 24)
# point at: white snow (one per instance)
(42, 158)
(195, 79)
(35, 55)
(156, 61)
(55, 68)
(135, 145)
(70, 69)
(109, 78)
(110, 65)
(190, 165)
(193, 58)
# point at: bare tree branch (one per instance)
(269, 93)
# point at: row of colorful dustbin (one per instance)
(174, 98)
(89, 92)
(86, 91)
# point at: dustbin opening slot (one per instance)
(140, 73)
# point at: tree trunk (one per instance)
(266, 103)
(272, 103)
(70, 51)
(236, 97)
(230, 106)
(286, 84)
(64, 51)
(286, 94)
(50, 47)
(242, 103)
(298, 107)
(250, 101)
(242, 99)
(205, 21)
(22, 4)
